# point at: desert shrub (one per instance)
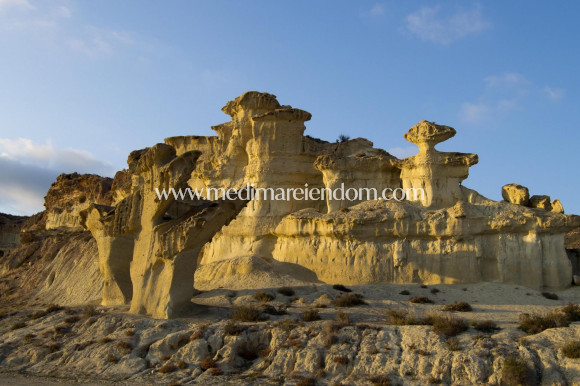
(404, 292)
(72, 319)
(571, 349)
(348, 300)
(571, 311)
(215, 371)
(54, 347)
(286, 291)
(263, 297)
(271, 310)
(29, 337)
(342, 317)
(453, 344)
(17, 326)
(549, 295)
(420, 300)
(478, 337)
(124, 347)
(130, 332)
(380, 380)
(400, 317)
(308, 381)
(486, 326)
(535, 323)
(448, 325)
(287, 324)
(182, 365)
(340, 287)
(61, 329)
(106, 339)
(232, 328)
(514, 371)
(27, 237)
(112, 358)
(435, 291)
(423, 286)
(207, 363)
(167, 368)
(310, 315)
(340, 359)
(88, 311)
(458, 307)
(84, 345)
(245, 313)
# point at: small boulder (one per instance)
(515, 194)
(541, 202)
(557, 206)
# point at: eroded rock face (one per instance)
(72, 193)
(516, 194)
(10, 232)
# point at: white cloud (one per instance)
(27, 169)
(474, 113)
(428, 24)
(507, 81)
(15, 4)
(403, 152)
(554, 94)
(376, 10)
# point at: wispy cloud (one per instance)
(27, 169)
(55, 22)
(554, 94)
(502, 94)
(429, 24)
(376, 10)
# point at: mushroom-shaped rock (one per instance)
(434, 177)
(516, 194)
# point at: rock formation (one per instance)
(149, 246)
(9, 232)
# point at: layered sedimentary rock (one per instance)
(150, 245)
(10, 232)
(72, 193)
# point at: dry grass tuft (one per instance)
(571, 349)
(341, 360)
(349, 300)
(167, 368)
(207, 363)
(245, 313)
(486, 326)
(286, 291)
(515, 371)
(124, 348)
(340, 287)
(263, 297)
(458, 307)
(233, 328)
(420, 300)
(310, 315)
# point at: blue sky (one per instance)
(84, 83)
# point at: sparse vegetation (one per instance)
(287, 324)
(17, 326)
(308, 381)
(400, 317)
(111, 358)
(263, 297)
(167, 368)
(486, 326)
(423, 286)
(549, 295)
(182, 365)
(54, 347)
(380, 380)
(420, 300)
(435, 291)
(340, 287)
(72, 319)
(106, 339)
(342, 138)
(130, 332)
(84, 345)
(342, 317)
(514, 371)
(233, 328)
(310, 315)
(535, 323)
(404, 292)
(448, 325)
(271, 310)
(571, 311)
(458, 307)
(124, 347)
(286, 291)
(207, 363)
(348, 300)
(88, 311)
(453, 344)
(571, 349)
(341, 360)
(245, 313)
